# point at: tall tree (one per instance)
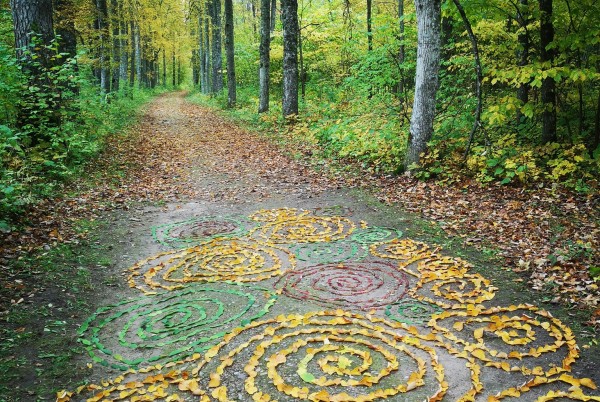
(116, 45)
(103, 37)
(65, 26)
(289, 9)
(229, 52)
(273, 14)
(402, 48)
(217, 55)
(426, 79)
(34, 34)
(548, 90)
(264, 50)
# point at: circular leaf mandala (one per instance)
(305, 229)
(171, 325)
(333, 252)
(411, 311)
(375, 234)
(325, 356)
(447, 290)
(363, 286)
(200, 229)
(511, 338)
(220, 259)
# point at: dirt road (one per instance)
(260, 279)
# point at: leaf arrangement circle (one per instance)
(453, 290)
(200, 229)
(511, 338)
(363, 285)
(411, 311)
(328, 356)
(170, 325)
(326, 253)
(219, 259)
(375, 234)
(306, 228)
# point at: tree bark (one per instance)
(548, 90)
(123, 45)
(104, 55)
(289, 10)
(229, 52)
(265, 60)
(132, 67)
(426, 80)
(402, 49)
(217, 55)
(33, 30)
(138, 55)
(273, 14)
(201, 51)
(116, 46)
(65, 27)
(207, 66)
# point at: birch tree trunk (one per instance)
(229, 52)
(289, 10)
(265, 46)
(426, 80)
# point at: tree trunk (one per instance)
(302, 69)
(217, 55)
(138, 55)
(201, 51)
(207, 65)
(265, 45)
(369, 28)
(116, 46)
(124, 46)
(289, 10)
(523, 54)
(33, 30)
(173, 69)
(273, 14)
(229, 51)
(402, 49)
(132, 46)
(426, 80)
(104, 58)
(548, 90)
(65, 27)
(65, 30)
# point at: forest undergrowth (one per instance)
(547, 232)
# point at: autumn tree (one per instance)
(426, 80)
(265, 45)
(289, 9)
(229, 51)
(36, 54)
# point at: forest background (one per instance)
(517, 105)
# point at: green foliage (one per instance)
(40, 155)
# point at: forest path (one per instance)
(259, 279)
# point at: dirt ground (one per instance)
(258, 278)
